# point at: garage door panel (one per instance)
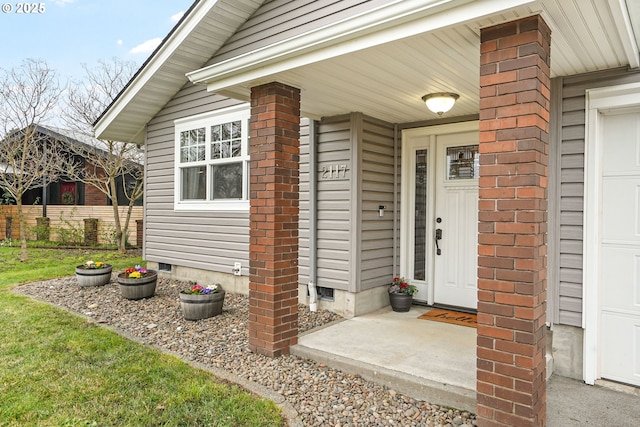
(623, 364)
(620, 274)
(621, 200)
(621, 143)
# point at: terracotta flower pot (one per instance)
(93, 276)
(135, 289)
(201, 306)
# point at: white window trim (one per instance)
(206, 120)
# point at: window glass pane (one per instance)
(215, 150)
(463, 162)
(194, 181)
(215, 133)
(420, 228)
(226, 142)
(192, 145)
(224, 149)
(236, 131)
(226, 131)
(236, 148)
(227, 181)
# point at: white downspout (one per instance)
(313, 293)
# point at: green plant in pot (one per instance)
(401, 294)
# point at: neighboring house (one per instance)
(67, 191)
(532, 177)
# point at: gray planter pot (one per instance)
(400, 302)
(196, 307)
(135, 289)
(93, 276)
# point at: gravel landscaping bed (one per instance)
(320, 396)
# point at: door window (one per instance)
(463, 162)
(420, 224)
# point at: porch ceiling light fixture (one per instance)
(440, 102)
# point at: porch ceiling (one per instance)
(387, 81)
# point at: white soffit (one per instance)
(388, 23)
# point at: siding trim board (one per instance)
(356, 199)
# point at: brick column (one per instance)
(273, 253)
(514, 134)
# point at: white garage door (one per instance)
(619, 341)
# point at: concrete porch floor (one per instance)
(436, 362)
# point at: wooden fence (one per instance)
(68, 221)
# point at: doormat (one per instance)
(449, 316)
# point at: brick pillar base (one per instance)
(8, 227)
(91, 231)
(43, 229)
(273, 253)
(139, 232)
(514, 126)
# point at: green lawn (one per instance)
(57, 369)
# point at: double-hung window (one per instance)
(212, 160)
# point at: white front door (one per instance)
(456, 215)
(439, 226)
(619, 342)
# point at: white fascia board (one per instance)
(396, 19)
(202, 8)
(621, 17)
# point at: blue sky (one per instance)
(72, 32)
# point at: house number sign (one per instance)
(334, 172)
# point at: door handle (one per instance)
(438, 237)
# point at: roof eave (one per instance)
(110, 124)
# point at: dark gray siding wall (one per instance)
(571, 181)
(377, 186)
(279, 20)
(206, 240)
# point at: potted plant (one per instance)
(198, 302)
(93, 273)
(137, 283)
(401, 294)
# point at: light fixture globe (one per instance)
(440, 102)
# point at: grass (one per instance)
(57, 369)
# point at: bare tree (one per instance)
(106, 162)
(28, 96)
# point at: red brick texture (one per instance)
(514, 134)
(93, 196)
(273, 252)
